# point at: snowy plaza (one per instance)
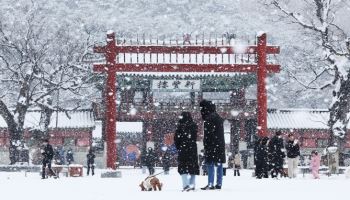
(207, 99)
(243, 187)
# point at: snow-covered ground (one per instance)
(15, 185)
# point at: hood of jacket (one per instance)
(207, 108)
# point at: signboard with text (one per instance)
(176, 85)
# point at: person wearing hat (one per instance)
(47, 153)
(293, 153)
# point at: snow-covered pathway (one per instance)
(16, 186)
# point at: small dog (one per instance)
(151, 183)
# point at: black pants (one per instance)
(151, 170)
(261, 171)
(236, 172)
(276, 171)
(92, 166)
(47, 162)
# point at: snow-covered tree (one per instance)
(38, 58)
(324, 19)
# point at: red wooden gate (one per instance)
(111, 67)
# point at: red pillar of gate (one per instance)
(111, 107)
(261, 94)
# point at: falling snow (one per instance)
(54, 63)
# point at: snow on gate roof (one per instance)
(298, 119)
(74, 119)
(276, 119)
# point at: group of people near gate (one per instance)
(269, 153)
(50, 154)
(269, 157)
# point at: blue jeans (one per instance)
(211, 173)
(188, 180)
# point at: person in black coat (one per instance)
(150, 160)
(293, 153)
(47, 153)
(69, 156)
(91, 162)
(276, 154)
(185, 141)
(214, 143)
(261, 158)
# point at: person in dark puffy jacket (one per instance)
(151, 160)
(91, 162)
(293, 153)
(276, 154)
(48, 154)
(214, 144)
(70, 156)
(261, 158)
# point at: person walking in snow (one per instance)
(214, 144)
(276, 154)
(70, 156)
(48, 154)
(293, 153)
(91, 162)
(150, 160)
(237, 164)
(315, 164)
(185, 141)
